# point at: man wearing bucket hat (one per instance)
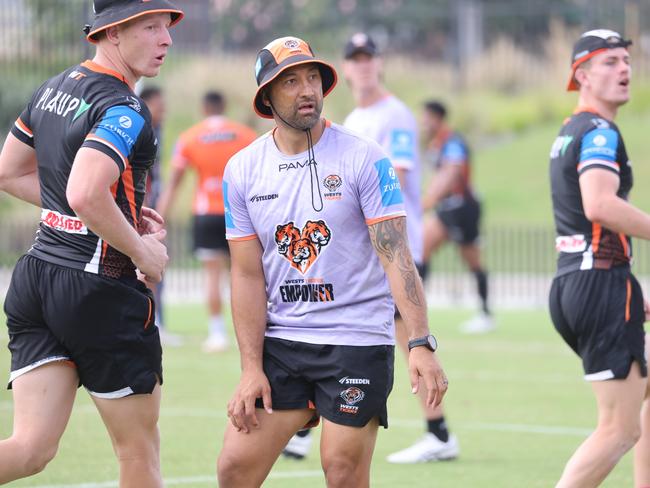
(316, 229)
(76, 312)
(596, 304)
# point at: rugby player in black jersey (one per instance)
(596, 304)
(76, 312)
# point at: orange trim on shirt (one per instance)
(24, 127)
(628, 299)
(245, 238)
(98, 68)
(104, 243)
(623, 239)
(104, 251)
(129, 190)
(148, 322)
(596, 230)
(386, 217)
(586, 108)
(93, 137)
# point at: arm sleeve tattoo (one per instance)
(389, 240)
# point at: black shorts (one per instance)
(422, 271)
(348, 385)
(209, 233)
(103, 326)
(599, 314)
(462, 223)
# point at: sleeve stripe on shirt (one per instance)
(599, 162)
(245, 238)
(125, 161)
(385, 217)
(20, 125)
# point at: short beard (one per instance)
(302, 122)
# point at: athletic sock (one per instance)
(217, 325)
(438, 427)
(303, 433)
(482, 286)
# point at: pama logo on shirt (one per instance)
(301, 247)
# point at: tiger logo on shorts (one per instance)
(302, 247)
(352, 395)
(317, 232)
(284, 236)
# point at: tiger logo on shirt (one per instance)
(301, 247)
(284, 236)
(317, 232)
(303, 254)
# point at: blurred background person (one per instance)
(457, 215)
(152, 95)
(206, 147)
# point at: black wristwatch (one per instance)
(427, 341)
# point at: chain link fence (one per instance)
(520, 261)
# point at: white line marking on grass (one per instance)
(192, 480)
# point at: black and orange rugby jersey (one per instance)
(587, 141)
(86, 106)
(450, 149)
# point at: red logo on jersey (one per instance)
(64, 223)
(302, 248)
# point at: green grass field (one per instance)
(516, 401)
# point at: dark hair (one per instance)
(214, 101)
(436, 108)
(150, 92)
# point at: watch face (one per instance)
(433, 344)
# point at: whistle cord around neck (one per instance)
(311, 161)
(313, 174)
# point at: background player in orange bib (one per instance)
(206, 148)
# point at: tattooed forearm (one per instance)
(390, 241)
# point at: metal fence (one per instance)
(520, 261)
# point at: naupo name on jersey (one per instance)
(61, 103)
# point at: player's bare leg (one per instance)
(618, 430)
(642, 448)
(215, 267)
(132, 424)
(246, 458)
(483, 322)
(43, 400)
(435, 235)
(346, 453)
